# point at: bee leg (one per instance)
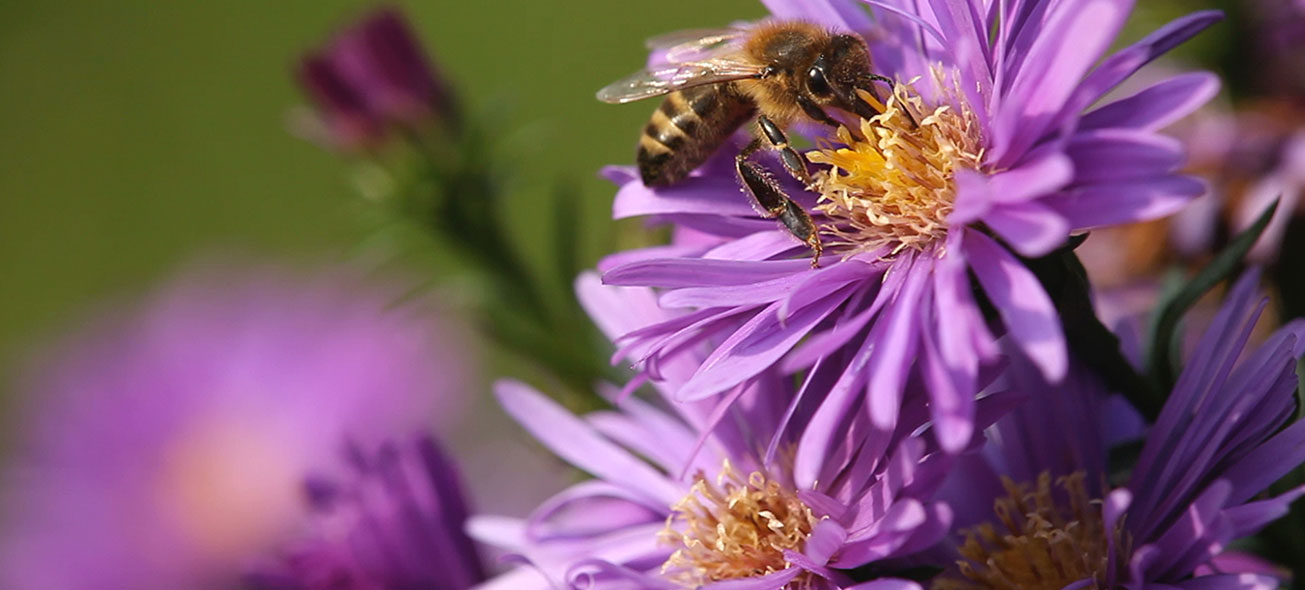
(792, 160)
(774, 203)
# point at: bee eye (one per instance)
(817, 83)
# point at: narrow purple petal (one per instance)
(1158, 106)
(826, 538)
(1122, 154)
(1115, 203)
(1124, 63)
(755, 346)
(1230, 582)
(671, 273)
(887, 584)
(573, 440)
(1031, 228)
(1051, 73)
(893, 352)
(1248, 519)
(706, 194)
(840, 15)
(1025, 308)
(773, 581)
(951, 397)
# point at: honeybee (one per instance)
(716, 81)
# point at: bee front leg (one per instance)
(774, 203)
(792, 160)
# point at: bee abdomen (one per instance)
(687, 129)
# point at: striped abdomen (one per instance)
(687, 129)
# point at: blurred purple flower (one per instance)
(1041, 490)
(693, 494)
(372, 76)
(394, 523)
(984, 145)
(167, 446)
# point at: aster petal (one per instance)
(590, 508)
(773, 581)
(890, 361)
(1268, 462)
(951, 401)
(1230, 582)
(963, 336)
(755, 346)
(571, 439)
(499, 531)
(617, 310)
(1051, 73)
(840, 15)
(823, 428)
(1122, 154)
(1024, 306)
(967, 38)
(938, 522)
(624, 257)
(597, 573)
(1192, 530)
(826, 538)
(849, 325)
(1112, 203)
(1156, 107)
(1038, 175)
(887, 584)
(708, 194)
(1031, 228)
(1248, 519)
(1127, 61)
(671, 273)
(759, 293)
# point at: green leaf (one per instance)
(1225, 264)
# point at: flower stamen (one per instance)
(734, 528)
(1043, 539)
(894, 185)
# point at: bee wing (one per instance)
(665, 80)
(695, 44)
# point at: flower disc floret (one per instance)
(893, 185)
(1041, 539)
(735, 528)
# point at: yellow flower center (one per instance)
(893, 185)
(1043, 539)
(735, 528)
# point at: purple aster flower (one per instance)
(166, 446)
(372, 76)
(394, 523)
(719, 496)
(1040, 509)
(987, 143)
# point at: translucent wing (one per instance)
(696, 42)
(676, 76)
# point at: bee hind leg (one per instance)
(774, 203)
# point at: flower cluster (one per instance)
(933, 402)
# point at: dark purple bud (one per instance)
(372, 75)
(348, 122)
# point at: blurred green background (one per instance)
(138, 134)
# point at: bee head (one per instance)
(839, 71)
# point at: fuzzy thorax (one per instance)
(893, 186)
(734, 528)
(1043, 538)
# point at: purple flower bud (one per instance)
(372, 76)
